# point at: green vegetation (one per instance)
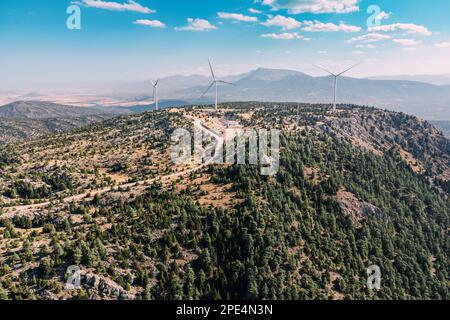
(289, 238)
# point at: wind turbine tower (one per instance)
(215, 83)
(155, 93)
(336, 76)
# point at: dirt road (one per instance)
(14, 210)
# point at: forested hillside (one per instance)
(354, 189)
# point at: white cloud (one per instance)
(383, 15)
(131, 5)
(369, 38)
(368, 46)
(407, 42)
(442, 45)
(254, 11)
(284, 22)
(282, 36)
(150, 23)
(322, 52)
(236, 16)
(408, 28)
(197, 25)
(410, 49)
(313, 6)
(317, 26)
(359, 52)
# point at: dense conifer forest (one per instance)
(309, 232)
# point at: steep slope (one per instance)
(417, 141)
(444, 126)
(106, 199)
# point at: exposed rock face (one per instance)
(105, 287)
(47, 295)
(380, 131)
(358, 209)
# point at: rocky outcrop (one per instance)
(358, 209)
(379, 131)
(105, 287)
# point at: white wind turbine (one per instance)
(155, 93)
(215, 82)
(336, 76)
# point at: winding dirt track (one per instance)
(14, 210)
(11, 211)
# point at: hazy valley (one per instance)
(427, 100)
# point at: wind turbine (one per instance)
(215, 82)
(155, 93)
(336, 76)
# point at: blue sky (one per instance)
(122, 39)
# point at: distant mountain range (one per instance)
(440, 80)
(403, 93)
(425, 100)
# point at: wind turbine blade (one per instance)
(221, 81)
(212, 71)
(156, 83)
(348, 69)
(326, 70)
(209, 88)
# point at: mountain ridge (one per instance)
(436, 79)
(21, 120)
(356, 187)
(33, 109)
(425, 100)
